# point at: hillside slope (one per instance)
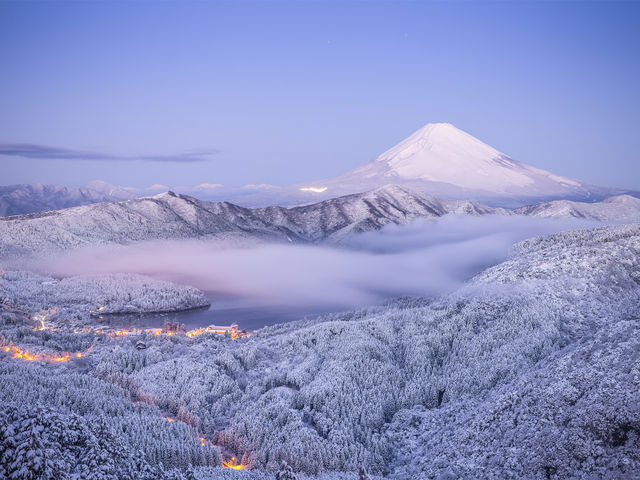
(530, 371)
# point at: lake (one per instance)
(223, 311)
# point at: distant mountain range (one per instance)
(621, 208)
(38, 197)
(174, 216)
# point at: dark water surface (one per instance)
(223, 311)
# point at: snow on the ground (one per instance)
(528, 371)
(77, 296)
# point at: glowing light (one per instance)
(202, 440)
(42, 319)
(232, 464)
(313, 189)
(24, 355)
(231, 331)
(169, 419)
(17, 352)
(193, 333)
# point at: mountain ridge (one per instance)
(619, 208)
(172, 216)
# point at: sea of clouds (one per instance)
(424, 258)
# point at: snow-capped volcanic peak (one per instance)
(440, 152)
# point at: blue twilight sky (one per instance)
(136, 93)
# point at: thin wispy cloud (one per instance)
(44, 152)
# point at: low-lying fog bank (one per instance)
(424, 258)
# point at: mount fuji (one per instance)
(442, 160)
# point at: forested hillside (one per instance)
(528, 371)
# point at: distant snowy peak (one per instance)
(443, 161)
(440, 152)
(621, 208)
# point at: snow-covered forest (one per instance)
(74, 298)
(530, 370)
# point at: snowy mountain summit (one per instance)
(442, 160)
(440, 152)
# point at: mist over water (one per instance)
(424, 258)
